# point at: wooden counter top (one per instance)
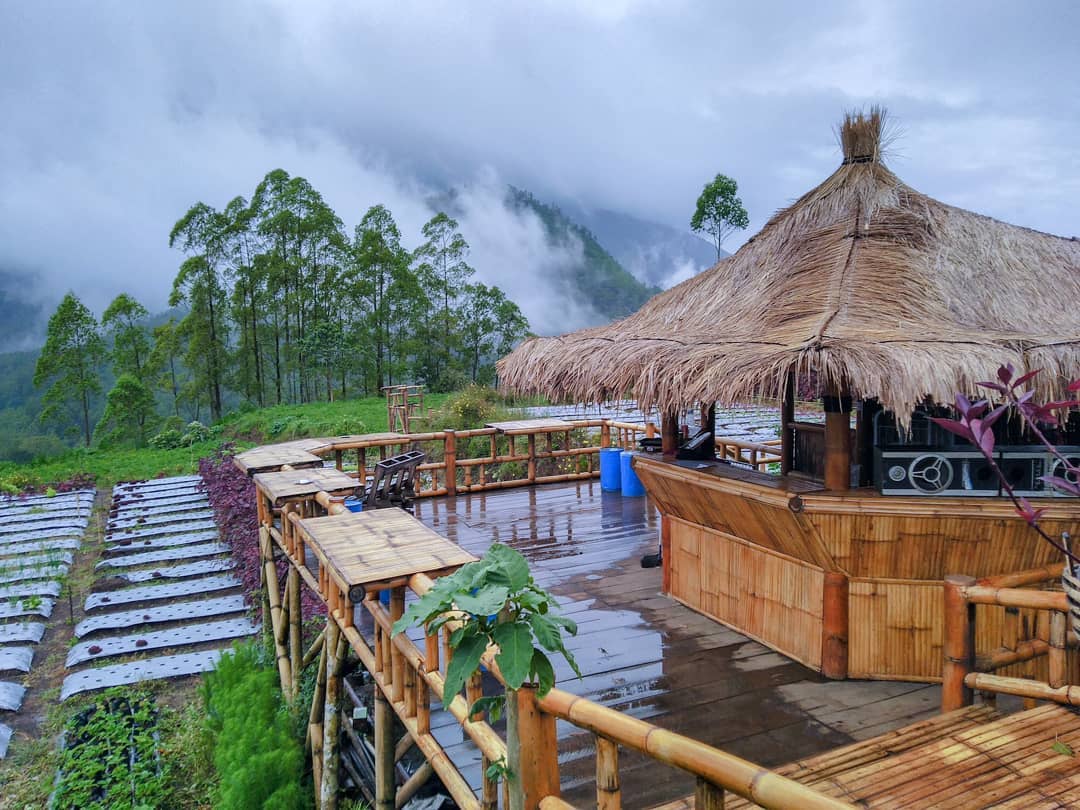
(729, 472)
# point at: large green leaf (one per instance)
(464, 662)
(545, 673)
(547, 632)
(515, 652)
(510, 564)
(486, 601)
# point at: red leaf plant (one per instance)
(975, 423)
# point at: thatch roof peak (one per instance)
(863, 279)
(862, 135)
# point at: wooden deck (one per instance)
(646, 655)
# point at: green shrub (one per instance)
(196, 432)
(166, 440)
(259, 762)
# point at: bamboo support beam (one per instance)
(314, 650)
(296, 654)
(787, 419)
(837, 441)
(834, 626)
(1015, 597)
(413, 784)
(384, 753)
(1023, 687)
(315, 716)
(708, 796)
(669, 433)
(335, 663)
(959, 644)
(277, 621)
(532, 750)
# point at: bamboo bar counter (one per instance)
(847, 582)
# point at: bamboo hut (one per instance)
(889, 299)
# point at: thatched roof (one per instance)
(866, 281)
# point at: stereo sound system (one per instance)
(955, 472)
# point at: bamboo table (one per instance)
(370, 551)
(281, 487)
(273, 457)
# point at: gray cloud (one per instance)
(119, 115)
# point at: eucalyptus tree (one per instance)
(202, 233)
(123, 322)
(166, 363)
(304, 245)
(70, 360)
(443, 270)
(129, 411)
(490, 324)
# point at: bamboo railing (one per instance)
(407, 676)
(1035, 628)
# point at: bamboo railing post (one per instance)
(531, 750)
(669, 433)
(959, 643)
(665, 554)
(397, 663)
(834, 626)
(608, 795)
(1058, 672)
(787, 419)
(605, 435)
(708, 796)
(532, 458)
(315, 716)
(361, 465)
(450, 458)
(296, 652)
(384, 753)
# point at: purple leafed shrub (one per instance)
(232, 497)
(975, 423)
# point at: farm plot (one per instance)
(38, 538)
(166, 601)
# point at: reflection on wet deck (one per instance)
(644, 654)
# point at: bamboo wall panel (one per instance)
(764, 594)
(767, 522)
(930, 546)
(896, 632)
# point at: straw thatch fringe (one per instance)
(864, 280)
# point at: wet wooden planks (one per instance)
(646, 655)
(280, 487)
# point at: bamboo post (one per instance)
(450, 457)
(708, 417)
(837, 440)
(605, 435)
(489, 788)
(665, 554)
(332, 715)
(669, 433)
(267, 618)
(650, 430)
(397, 662)
(608, 796)
(1059, 635)
(787, 419)
(532, 458)
(384, 753)
(277, 621)
(315, 716)
(531, 750)
(834, 626)
(296, 652)
(708, 796)
(959, 643)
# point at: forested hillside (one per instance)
(598, 277)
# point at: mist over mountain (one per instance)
(24, 314)
(657, 255)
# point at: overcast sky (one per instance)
(118, 116)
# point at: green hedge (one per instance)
(259, 761)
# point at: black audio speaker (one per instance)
(1024, 468)
(936, 472)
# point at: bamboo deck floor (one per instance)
(967, 760)
(646, 655)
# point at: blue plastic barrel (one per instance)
(610, 478)
(354, 504)
(631, 484)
